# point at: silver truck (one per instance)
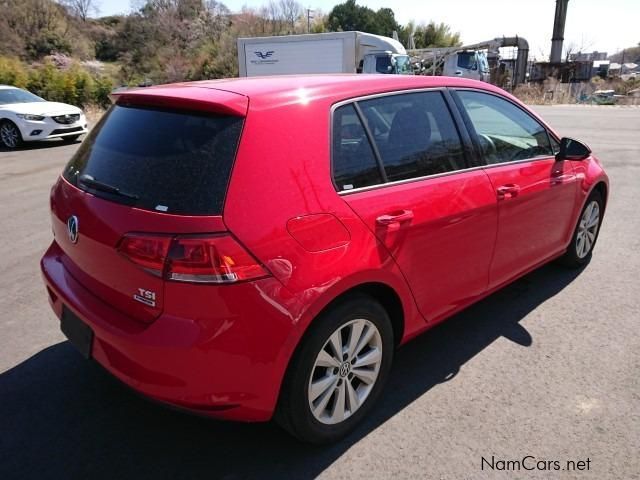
(339, 52)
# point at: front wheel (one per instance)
(10, 136)
(338, 372)
(586, 233)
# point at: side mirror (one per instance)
(571, 149)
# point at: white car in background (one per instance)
(25, 117)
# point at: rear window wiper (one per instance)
(91, 182)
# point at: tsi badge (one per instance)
(146, 296)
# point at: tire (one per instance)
(581, 247)
(339, 384)
(70, 139)
(10, 136)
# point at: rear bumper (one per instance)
(227, 362)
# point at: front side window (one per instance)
(415, 134)
(467, 60)
(354, 164)
(555, 145)
(505, 132)
(384, 65)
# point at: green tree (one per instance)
(433, 35)
(385, 21)
(405, 32)
(437, 35)
(350, 16)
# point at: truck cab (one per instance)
(386, 63)
(471, 64)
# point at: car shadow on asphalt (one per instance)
(63, 417)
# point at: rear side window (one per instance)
(415, 134)
(505, 132)
(354, 164)
(168, 161)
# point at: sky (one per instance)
(591, 24)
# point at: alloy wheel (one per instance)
(9, 135)
(587, 229)
(345, 371)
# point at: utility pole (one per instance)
(559, 20)
(309, 17)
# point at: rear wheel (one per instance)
(338, 372)
(586, 233)
(10, 136)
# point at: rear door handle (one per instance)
(509, 190)
(395, 217)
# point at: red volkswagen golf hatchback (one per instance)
(257, 248)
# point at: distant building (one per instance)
(587, 56)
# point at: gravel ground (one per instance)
(545, 370)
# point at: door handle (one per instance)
(508, 191)
(559, 176)
(395, 217)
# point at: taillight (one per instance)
(201, 259)
(149, 252)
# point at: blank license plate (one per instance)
(77, 332)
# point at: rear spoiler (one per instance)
(185, 97)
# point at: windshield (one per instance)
(399, 64)
(403, 65)
(15, 95)
(484, 64)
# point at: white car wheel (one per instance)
(10, 135)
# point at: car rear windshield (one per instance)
(167, 161)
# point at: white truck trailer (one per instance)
(339, 52)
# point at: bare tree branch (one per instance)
(82, 8)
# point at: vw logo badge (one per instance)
(345, 368)
(72, 228)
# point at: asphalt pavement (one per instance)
(543, 374)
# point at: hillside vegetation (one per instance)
(631, 55)
(56, 50)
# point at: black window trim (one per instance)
(470, 156)
(372, 144)
(474, 136)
